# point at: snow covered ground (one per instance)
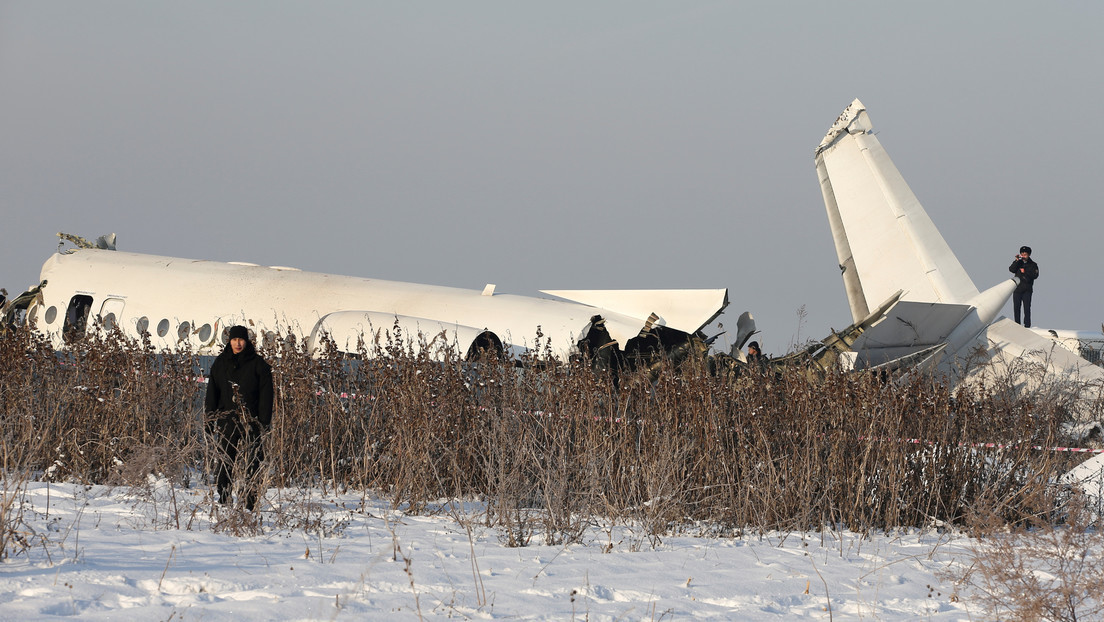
(103, 553)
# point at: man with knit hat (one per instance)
(239, 408)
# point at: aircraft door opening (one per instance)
(76, 317)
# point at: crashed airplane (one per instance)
(189, 304)
(908, 291)
(912, 302)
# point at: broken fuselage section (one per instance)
(188, 304)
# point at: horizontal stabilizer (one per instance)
(688, 310)
(907, 328)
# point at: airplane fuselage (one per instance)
(189, 303)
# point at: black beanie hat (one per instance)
(238, 332)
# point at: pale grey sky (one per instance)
(562, 145)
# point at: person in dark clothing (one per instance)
(239, 409)
(755, 357)
(1027, 270)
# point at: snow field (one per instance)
(101, 553)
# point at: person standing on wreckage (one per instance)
(238, 406)
(1025, 268)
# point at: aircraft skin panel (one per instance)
(1010, 345)
(892, 241)
(199, 291)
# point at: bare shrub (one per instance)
(1040, 571)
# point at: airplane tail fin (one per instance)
(884, 239)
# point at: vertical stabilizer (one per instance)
(884, 239)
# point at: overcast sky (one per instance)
(557, 145)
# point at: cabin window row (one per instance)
(76, 320)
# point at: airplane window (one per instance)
(51, 314)
(205, 333)
(183, 331)
(143, 325)
(162, 328)
(109, 321)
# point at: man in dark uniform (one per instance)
(239, 408)
(755, 357)
(1028, 271)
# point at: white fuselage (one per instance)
(188, 303)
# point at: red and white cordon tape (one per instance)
(1080, 450)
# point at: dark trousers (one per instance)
(1022, 298)
(242, 448)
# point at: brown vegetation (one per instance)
(547, 447)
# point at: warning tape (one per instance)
(1080, 450)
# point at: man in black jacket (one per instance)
(239, 408)
(1028, 271)
(755, 358)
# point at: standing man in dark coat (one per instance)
(1028, 271)
(239, 408)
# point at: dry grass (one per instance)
(546, 447)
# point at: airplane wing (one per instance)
(884, 239)
(688, 310)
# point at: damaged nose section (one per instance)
(15, 312)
